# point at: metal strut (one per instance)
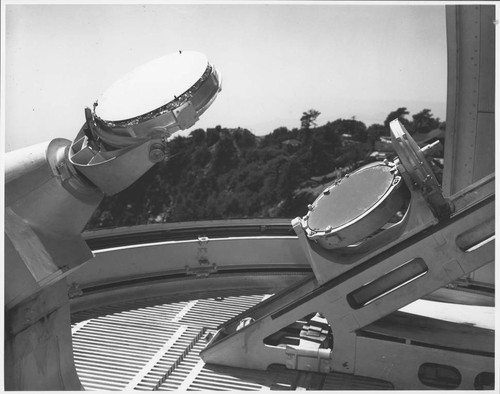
(357, 286)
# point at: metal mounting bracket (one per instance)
(356, 285)
(407, 271)
(315, 360)
(413, 162)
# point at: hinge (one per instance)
(205, 268)
(203, 251)
(314, 359)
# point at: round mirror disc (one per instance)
(151, 86)
(351, 198)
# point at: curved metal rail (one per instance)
(181, 231)
(197, 257)
(188, 260)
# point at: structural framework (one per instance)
(346, 297)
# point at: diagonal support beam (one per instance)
(407, 271)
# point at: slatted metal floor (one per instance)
(153, 345)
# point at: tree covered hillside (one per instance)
(231, 173)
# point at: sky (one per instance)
(276, 60)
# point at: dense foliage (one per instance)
(231, 173)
